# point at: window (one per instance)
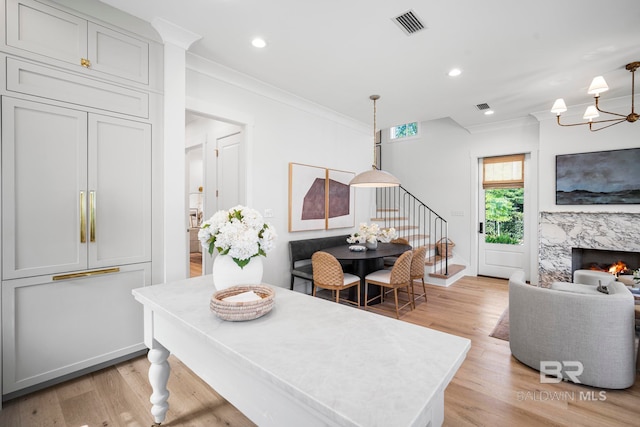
(503, 172)
(404, 131)
(503, 183)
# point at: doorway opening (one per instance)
(502, 246)
(214, 178)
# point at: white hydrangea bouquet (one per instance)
(239, 232)
(372, 233)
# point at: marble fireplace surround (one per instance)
(559, 232)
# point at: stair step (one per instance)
(432, 260)
(453, 270)
(406, 227)
(388, 210)
(418, 237)
(392, 219)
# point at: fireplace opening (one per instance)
(615, 262)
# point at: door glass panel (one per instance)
(504, 215)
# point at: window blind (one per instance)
(503, 172)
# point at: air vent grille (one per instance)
(483, 106)
(409, 22)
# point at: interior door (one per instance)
(228, 171)
(500, 252)
(44, 182)
(222, 174)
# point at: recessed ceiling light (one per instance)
(455, 72)
(488, 112)
(258, 42)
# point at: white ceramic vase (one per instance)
(227, 273)
(371, 246)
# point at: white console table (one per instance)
(308, 362)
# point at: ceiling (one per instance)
(515, 56)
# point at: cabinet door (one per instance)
(42, 29)
(55, 328)
(118, 54)
(44, 181)
(119, 191)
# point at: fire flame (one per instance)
(615, 268)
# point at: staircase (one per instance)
(421, 226)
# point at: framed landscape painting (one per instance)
(598, 178)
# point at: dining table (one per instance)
(365, 262)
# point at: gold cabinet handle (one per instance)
(85, 62)
(92, 216)
(86, 274)
(83, 218)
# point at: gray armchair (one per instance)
(587, 326)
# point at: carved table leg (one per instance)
(158, 377)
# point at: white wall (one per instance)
(280, 128)
(555, 140)
(438, 167)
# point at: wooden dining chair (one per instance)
(390, 260)
(396, 278)
(417, 271)
(328, 274)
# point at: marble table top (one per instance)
(356, 367)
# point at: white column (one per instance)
(177, 41)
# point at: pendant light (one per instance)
(374, 177)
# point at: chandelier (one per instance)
(374, 177)
(598, 85)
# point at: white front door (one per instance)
(499, 253)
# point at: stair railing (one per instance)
(413, 220)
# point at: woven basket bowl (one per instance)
(240, 311)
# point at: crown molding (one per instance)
(243, 81)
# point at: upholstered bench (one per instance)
(300, 252)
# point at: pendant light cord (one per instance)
(375, 153)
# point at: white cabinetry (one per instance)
(80, 187)
(52, 328)
(76, 203)
(38, 28)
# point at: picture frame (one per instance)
(598, 178)
(340, 199)
(320, 198)
(307, 197)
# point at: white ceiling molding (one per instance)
(171, 33)
(230, 76)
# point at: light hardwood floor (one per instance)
(490, 389)
(195, 264)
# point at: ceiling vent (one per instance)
(483, 106)
(409, 22)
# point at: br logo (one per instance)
(551, 371)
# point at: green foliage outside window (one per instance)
(504, 215)
(405, 130)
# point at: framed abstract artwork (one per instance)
(307, 197)
(320, 198)
(340, 199)
(598, 178)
